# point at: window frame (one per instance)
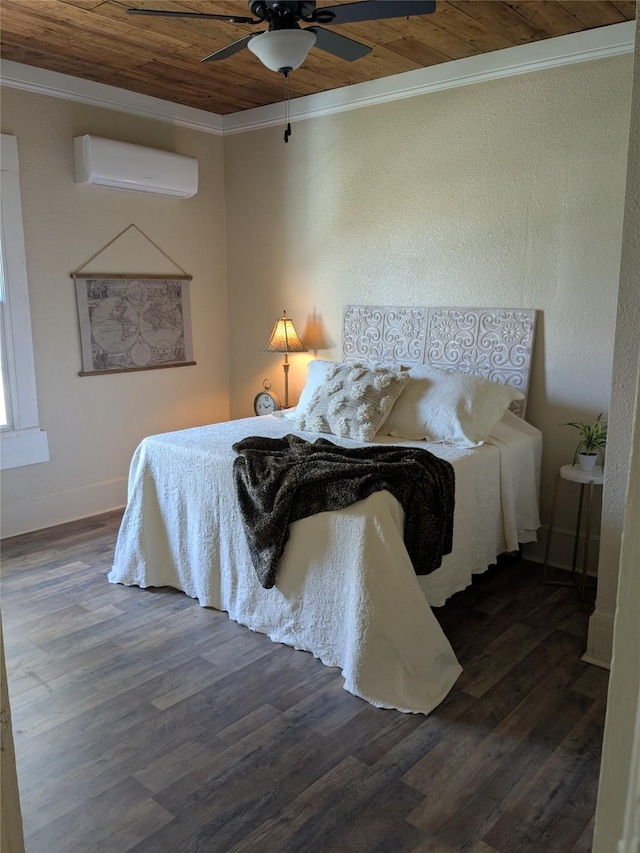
(22, 442)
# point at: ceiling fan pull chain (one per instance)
(287, 113)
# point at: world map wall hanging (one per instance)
(133, 321)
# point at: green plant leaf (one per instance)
(593, 437)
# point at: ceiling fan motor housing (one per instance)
(283, 14)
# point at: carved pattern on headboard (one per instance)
(495, 343)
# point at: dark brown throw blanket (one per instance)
(280, 480)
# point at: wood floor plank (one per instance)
(592, 682)
(188, 754)
(376, 826)
(371, 735)
(276, 833)
(145, 723)
(63, 791)
(432, 845)
(515, 687)
(563, 832)
(326, 709)
(85, 689)
(241, 728)
(223, 806)
(485, 670)
(585, 841)
(138, 816)
(486, 749)
(546, 797)
(477, 801)
(472, 629)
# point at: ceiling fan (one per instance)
(285, 45)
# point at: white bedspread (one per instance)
(346, 590)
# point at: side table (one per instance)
(574, 474)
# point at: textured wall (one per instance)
(506, 193)
(621, 758)
(94, 423)
(626, 355)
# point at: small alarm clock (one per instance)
(266, 402)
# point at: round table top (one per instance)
(577, 475)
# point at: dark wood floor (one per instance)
(146, 723)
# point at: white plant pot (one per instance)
(587, 461)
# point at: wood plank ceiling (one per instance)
(97, 40)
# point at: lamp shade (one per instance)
(284, 337)
(282, 50)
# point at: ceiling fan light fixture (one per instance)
(282, 50)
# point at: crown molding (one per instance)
(28, 78)
(600, 43)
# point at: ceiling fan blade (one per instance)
(339, 45)
(373, 10)
(163, 13)
(229, 50)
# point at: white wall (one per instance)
(94, 423)
(620, 770)
(505, 193)
(626, 355)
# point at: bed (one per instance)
(346, 589)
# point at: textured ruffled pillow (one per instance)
(316, 371)
(454, 408)
(350, 400)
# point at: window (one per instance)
(22, 442)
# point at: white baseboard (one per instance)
(48, 510)
(600, 639)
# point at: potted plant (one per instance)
(593, 440)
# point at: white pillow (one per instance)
(454, 408)
(316, 371)
(350, 400)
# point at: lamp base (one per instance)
(285, 367)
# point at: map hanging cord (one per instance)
(78, 270)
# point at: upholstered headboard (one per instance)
(495, 343)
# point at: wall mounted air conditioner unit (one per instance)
(120, 165)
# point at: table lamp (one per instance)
(284, 338)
